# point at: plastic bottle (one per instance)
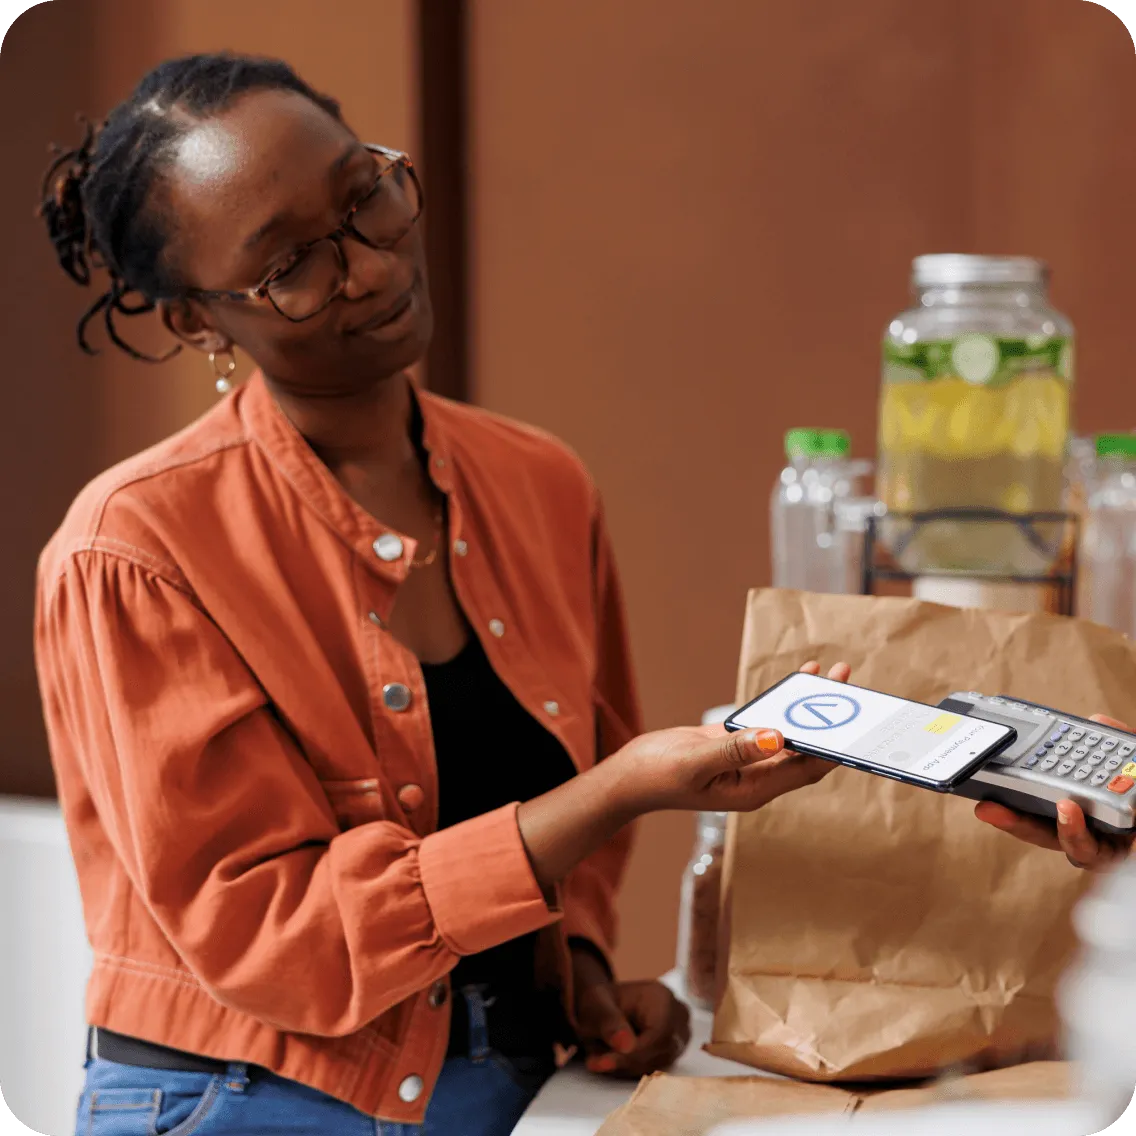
(699, 904)
(805, 545)
(1107, 585)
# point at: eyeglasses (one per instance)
(316, 272)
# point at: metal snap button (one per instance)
(388, 547)
(552, 708)
(497, 627)
(460, 548)
(411, 797)
(410, 1088)
(396, 696)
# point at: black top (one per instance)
(490, 752)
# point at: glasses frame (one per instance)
(260, 292)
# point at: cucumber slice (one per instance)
(975, 358)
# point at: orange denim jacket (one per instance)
(254, 830)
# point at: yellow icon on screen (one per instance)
(942, 724)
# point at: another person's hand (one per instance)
(706, 768)
(1071, 834)
(626, 1029)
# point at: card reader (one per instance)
(1057, 756)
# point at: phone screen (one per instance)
(878, 730)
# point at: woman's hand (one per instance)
(706, 768)
(1071, 835)
(701, 768)
(626, 1029)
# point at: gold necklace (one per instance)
(432, 555)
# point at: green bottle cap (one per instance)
(808, 442)
(835, 443)
(1116, 445)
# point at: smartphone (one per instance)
(879, 733)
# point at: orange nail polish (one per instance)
(623, 1041)
(770, 742)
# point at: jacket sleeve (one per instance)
(226, 833)
(589, 893)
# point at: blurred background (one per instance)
(665, 231)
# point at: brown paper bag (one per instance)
(876, 930)
(691, 1106)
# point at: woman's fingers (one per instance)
(1082, 847)
(839, 672)
(1032, 830)
(1077, 842)
(757, 785)
(1115, 723)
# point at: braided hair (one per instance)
(95, 198)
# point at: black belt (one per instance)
(123, 1050)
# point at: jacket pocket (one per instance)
(355, 802)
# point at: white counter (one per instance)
(44, 963)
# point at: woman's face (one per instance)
(243, 191)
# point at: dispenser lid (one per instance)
(959, 269)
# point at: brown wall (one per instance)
(691, 223)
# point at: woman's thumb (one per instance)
(608, 1022)
(744, 748)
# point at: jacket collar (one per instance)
(283, 445)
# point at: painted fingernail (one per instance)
(770, 742)
(605, 1063)
(623, 1041)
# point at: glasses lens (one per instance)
(388, 212)
(310, 283)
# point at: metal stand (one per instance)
(1053, 535)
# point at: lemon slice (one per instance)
(975, 358)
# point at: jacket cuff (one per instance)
(480, 885)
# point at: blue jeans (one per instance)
(483, 1094)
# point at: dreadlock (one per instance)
(95, 197)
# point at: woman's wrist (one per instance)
(568, 824)
(588, 965)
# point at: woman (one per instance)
(328, 675)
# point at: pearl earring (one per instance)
(223, 383)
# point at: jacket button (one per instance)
(552, 708)
(388, 547)
(437, 996)
(396, 696)
(411, 797)
(497, 627)
(460, 547)
(410, 1088)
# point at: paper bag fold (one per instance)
(692, 1106)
